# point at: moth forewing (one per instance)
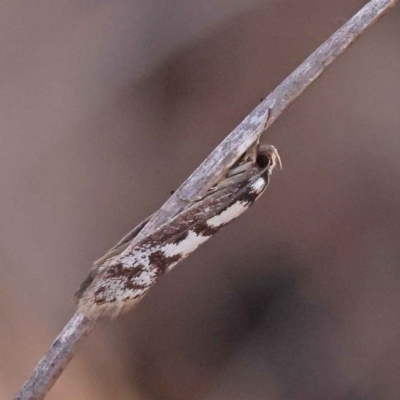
(128, 276)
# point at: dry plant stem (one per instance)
(247, 132)
(51, 366)
(208, 173)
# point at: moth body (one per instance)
(123, 280)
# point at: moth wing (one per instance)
(114, 251)
(123, 243)
(151, 250)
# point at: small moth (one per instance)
(123, 276)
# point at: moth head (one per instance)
(268, 158)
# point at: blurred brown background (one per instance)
(106, 106)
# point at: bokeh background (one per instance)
(107, 106)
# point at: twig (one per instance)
(51, 366)
(209, 172)
(237, 142)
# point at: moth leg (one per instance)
(239, 169)
(244, 164)
(195, 199)
(266, 121)
(253, 150)
(250, 156)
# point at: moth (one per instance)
(123, 276)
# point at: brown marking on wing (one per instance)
(161, 262)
